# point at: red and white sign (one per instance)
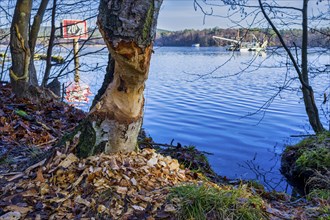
(74, 29)
(77, 93)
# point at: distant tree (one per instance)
(278, 17)
(25, 19)
(113, 123)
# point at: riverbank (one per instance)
(147, 184)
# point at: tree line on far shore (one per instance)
(204, 37)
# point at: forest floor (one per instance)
(41, 180)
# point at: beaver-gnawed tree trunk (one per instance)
(128, 28)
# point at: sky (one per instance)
(181, 14)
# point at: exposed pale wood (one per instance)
(128, 28)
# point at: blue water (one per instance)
(212, 112)
(191, 98)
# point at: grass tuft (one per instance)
(211, 202)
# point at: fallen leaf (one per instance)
(137, 208)
(44, 189)
(121, 190)
(133, 181)
(40, 177)
(174, 165)
(170, 208)
(153, 161)
(80, 200)
(21, 210)
(71, 158)
(101, 208)
(11, 216)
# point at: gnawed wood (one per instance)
(114, 121)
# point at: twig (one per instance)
(49, 142)
(172, 146)
(34, 166)
(304, 135)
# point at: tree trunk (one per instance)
(308, 93)
(20, 50)
(22, 45)
(33, 39)
(128, 28)
(307, 90)
(50, 46)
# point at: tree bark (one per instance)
(33, 39)
(50, 46)
(307, 90)
(128, 28)
(20, 50)
(22, 45)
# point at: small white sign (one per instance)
(74, 29)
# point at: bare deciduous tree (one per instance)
(279, 16)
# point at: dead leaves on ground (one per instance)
(118, 186)
(28, 129)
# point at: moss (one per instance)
(87, 139)
(306, 142)
(319, 138)
(323, 194)
(324, 212)
(305, 164)
(256, 185)
(148, 22)
(56, 59)
(209, 202)
(314, 159)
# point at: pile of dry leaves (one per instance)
(126, 186)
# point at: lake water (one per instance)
(191, 98)
(211, 112)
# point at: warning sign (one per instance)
(74, 29)
(77, 93)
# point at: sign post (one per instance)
(75, 30)
(76, 59)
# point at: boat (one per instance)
(195, 45)
(239, 45)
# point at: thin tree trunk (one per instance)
(20, 50)
(50, 47)
(308, 93)
(33, 39)
(307, 90)
(128, 28)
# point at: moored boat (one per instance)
(238, 45)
